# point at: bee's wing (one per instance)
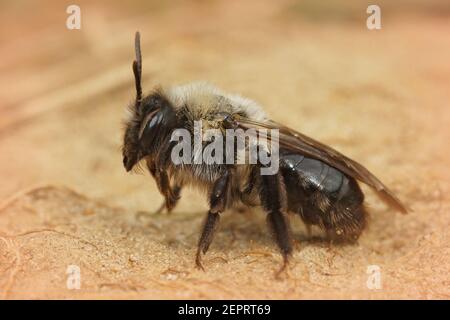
(295, 141)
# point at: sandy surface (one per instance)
(381, 97)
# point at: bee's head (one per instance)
(152, 120)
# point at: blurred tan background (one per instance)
(382, 97)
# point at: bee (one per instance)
(314, 181)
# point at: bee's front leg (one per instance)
(171, 199)
(171, 195)
(217, 204)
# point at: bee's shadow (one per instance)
(237, 229)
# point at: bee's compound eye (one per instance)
(153, 122)
(149, 121)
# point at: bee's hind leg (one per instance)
(217, 203)
(273, 200)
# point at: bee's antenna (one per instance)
(137, 67)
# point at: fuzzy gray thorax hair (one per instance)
(202, 101)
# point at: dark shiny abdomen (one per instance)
(323, 196)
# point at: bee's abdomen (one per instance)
(323, 196)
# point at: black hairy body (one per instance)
(324, 196)
(314, 181)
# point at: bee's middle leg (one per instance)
(217, 203)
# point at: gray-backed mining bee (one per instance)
(314, 181)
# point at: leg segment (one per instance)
(273, 199)
(171, 195)
(217, 203)
(209, 228)
(171, 199)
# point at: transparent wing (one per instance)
(295, 141)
